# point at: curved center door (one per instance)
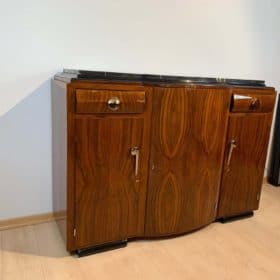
(187, 147)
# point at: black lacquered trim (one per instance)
(178, 79)
(72, 75)
(239, 82)
(229, 219)
(101, 248)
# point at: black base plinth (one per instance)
(101, 248)
(236, 217)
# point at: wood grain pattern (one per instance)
(71, 159)
(110, 200)
(188, 134)
(96, 101)
(252, 102)
(242, 180)
(187, 127)
(174, 102)
(71, 88)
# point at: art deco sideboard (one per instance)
(142, 156)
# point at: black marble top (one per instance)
(72, 75)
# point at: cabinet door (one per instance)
(110, 197)
(247, 142)
(187, 146)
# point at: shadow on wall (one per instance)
(25, 156)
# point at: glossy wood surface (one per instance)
(242, 178)
(181, 131)
(71, 160)
(71, 88)
(96, 101)
(110, 199)
(252, 102)
(187, 144)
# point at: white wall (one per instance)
(234, 38)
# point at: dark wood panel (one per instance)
(243, 174)
(187, 144)
(97, 101)
(108, 85)
(70, 221)
(110, 199)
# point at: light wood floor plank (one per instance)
(248, 249)
(57, 263)
(20, 260)
(1, 260)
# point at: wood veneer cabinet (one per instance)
(247, 142)
(138, 156)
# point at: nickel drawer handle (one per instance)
(255, 104)
(135, 152)
(114, 103)
(232, 146)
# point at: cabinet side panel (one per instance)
(59, 153)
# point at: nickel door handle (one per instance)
(232, 146)
(135, 152)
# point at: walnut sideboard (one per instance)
(145, 156)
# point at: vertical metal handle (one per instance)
(135, 152)
(232, 146)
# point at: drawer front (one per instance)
(243, 102)
(109, 101)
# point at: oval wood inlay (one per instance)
(168, 204)
(194, 118)
(205, 192)
(172, 121)
(211, 119)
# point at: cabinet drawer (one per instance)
(247, 102)
(109, 101)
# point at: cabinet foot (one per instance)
(101, 248)
(236, 217)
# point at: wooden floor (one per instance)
(245, 249)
